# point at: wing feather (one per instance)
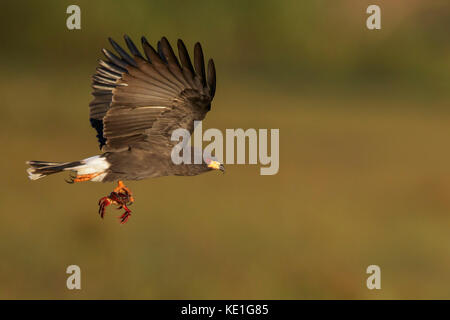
(199, 62)
(138, 101)
(132, 47)
(211, 78)
(122, 53)
(114, 59)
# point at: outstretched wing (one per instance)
(143, 99)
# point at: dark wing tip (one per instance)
(150, 52)
(111, 40)
(211, 79)
(168, 52)
(199, 62)
(123, 54)
(184, 56)
(160, 52)
(131, 46)
(113, 58)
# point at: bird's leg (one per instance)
(121, 197)
(83, 177)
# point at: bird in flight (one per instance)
(138, 102)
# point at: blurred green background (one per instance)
(364, 159)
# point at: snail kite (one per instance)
(138, 102)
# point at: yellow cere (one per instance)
(214, 165)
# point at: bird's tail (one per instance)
(92, 169)
(40, 169)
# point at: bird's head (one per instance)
(214, 164)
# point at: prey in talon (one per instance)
(140, 99)
(121, 197)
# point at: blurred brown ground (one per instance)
(364, 160)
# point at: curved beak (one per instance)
(216, 165)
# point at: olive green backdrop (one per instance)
(364, 156)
